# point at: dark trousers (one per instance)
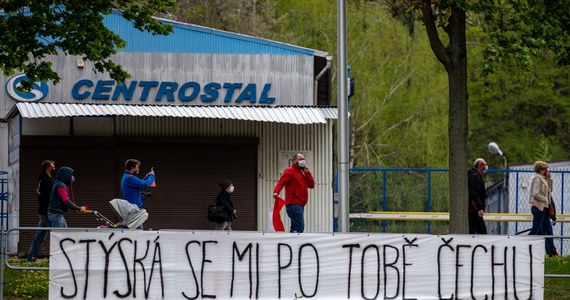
(541, 226)
(476, 223)
(296, 213)
(38, 238)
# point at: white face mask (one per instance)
(302, 164)
(485, 169)
(230, 189)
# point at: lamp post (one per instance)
(494, 149)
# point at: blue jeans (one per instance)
(296, 214)
(541, 226)
(57, 220)
(223, 226)
(38, 238)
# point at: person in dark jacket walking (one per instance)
(223, 199)
(61, 198)
(297, 180)
(45, 183)
(477, 197)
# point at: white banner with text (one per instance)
(115, 264)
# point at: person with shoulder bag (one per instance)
(223, 199)
(541, 200)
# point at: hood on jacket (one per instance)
(64, 174)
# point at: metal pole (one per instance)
(517, 200)
(384, 203)
(343, 144)
(429, 200)
(505, 208)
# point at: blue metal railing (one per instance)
(507, 189)
(385, 171)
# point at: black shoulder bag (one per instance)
(217, 213)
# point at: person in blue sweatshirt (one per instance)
(131, 185)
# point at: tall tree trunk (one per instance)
(454, 58)
(457, 77)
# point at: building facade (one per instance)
(201, 106)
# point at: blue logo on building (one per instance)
(171, 91)
(38, 92)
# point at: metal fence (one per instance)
(426, 190)
(3, 225)
(3, 199)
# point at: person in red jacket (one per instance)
(297, 180)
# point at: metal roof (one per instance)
(191, 38)
(278, 114)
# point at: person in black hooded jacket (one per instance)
(61, 198)
(223, 199)
(45, 183)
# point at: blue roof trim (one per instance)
(188, 38)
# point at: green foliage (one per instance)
(26, 284)
(398, 114)
(307, 23)
(255, 18)
(521, 29)
(400, 102)
(526, 113)
(32, 30)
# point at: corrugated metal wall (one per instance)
(291, 77)
(317, 138)
(188, 172)
(3, 146)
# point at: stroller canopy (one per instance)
(131, 214)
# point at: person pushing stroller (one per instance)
(61, 198)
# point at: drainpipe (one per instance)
(343, 142)
(316, 84)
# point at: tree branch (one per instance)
(435, 42)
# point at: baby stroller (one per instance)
(130, 214)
